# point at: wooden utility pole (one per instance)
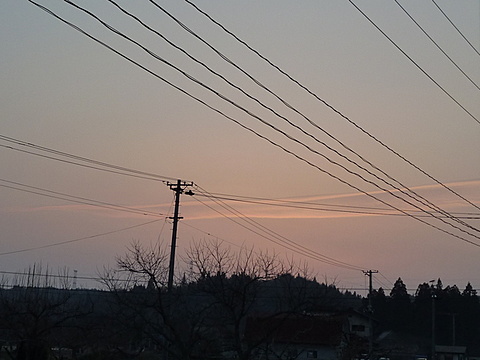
(178, 189)
(370, 273)
(434, 296)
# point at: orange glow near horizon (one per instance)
(198, 210)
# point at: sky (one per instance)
(357, 142)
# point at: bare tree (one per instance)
(240, 285)
(206, 313)
(34, 310)
(169, 322)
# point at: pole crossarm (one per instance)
(179, 185)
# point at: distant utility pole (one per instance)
(453, 324)
(434, 296)
(178, 188)
(370, 273)
(75, 272)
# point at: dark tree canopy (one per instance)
(205, 315)
(399, 290)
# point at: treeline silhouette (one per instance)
(201, 319)
(204, 315)
(452, 315)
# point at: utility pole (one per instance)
(370, 273)
(453, 329)
(75, 272)
(433, 324)
(178, 189)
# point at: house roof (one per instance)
(299, 329)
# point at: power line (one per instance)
(438, 46)
(388, 280)
(137, 280)
(314, 206)
(414, 62)
(289, 137)
(240, 246)
(317, 206)
(274, 237)
(237, 122)
(104, 166)
(77, 239)
(324, 102)
(99, 279)
(209, 234)
(456, 28)
(78, 164)
(75, 199)
(47, 275)
(262, 228)
(403, 188)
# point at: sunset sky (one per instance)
(355, 135)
